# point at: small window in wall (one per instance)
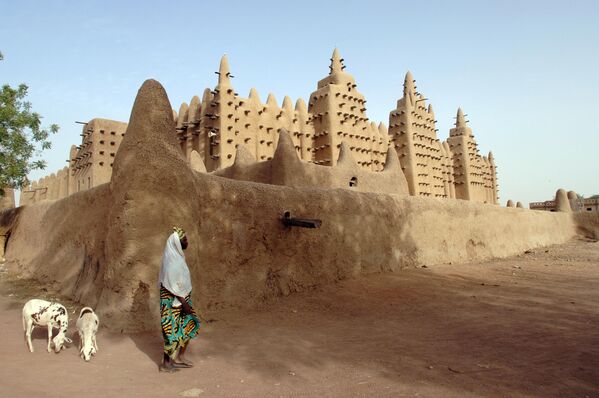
(353, 182)
(89, 182)
(101, 131)
(589, 209)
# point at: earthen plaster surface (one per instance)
(103, 245)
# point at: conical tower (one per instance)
(338, 114)
(475, 177)
(219, 121)
(413, 134)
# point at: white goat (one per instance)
(87, 326)
(44, 313)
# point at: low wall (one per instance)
(240, 253)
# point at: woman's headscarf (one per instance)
(174, 273)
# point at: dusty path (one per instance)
(524, 326)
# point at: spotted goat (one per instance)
(87, 327)
(45, 313)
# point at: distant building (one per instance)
(90, 164)
(586, 205)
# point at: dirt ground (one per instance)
(523, 326)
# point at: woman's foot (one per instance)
(182, 358)
(168, 368)
(182, 365)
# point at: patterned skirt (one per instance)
(177, 330)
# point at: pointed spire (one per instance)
(384, 134)
(561, 201)
(285, 151)
(174, 114)
(383, 129)
(194, 109)
(287, 104)
(150, 123)
(491, 158)
(223, 72)
(206, 99)
(442, 149)
(336, 62)
(346, 159)
(73, 151)
(300, 106)
(183, 109)
(460, 121)
(392, 162)
(572, 195)
(408, 84)
(207, 96)
(254, 95)
(431, 111)
(447, 148)
(196, 162)
(243, 156)
(271, 100)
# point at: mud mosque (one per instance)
(275, 200)
(213, 131)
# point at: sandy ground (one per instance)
(523, 326)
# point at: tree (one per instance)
(21, 137)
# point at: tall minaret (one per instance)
(338, 114)
(459, 142)
(493, 172)
(219, 121)
(413, 133)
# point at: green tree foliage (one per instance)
(21, 137)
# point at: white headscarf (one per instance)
(174, 273)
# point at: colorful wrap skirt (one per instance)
(177, 330)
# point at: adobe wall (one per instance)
(61, 242)
(240, 253)
(103, 246)
(285, 168)
(7, 201)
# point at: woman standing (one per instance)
(178, 318)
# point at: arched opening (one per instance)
(353, 182)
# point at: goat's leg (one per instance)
(95, 342)
(49, 337)
(28, 331)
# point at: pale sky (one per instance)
(525, 72)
